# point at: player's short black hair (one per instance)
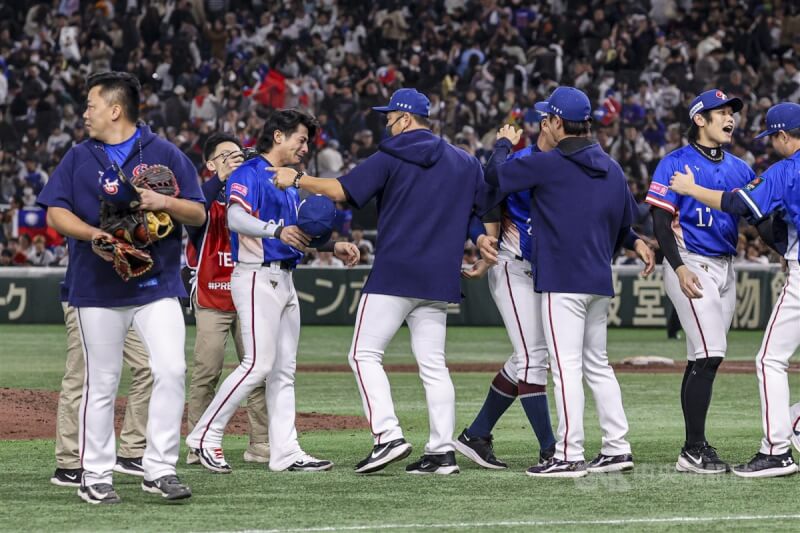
(215, 139)
(573, 127)
(693, 132)
(794, 134)
(286, 121)
(118, 88)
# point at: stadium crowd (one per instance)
(216, 65)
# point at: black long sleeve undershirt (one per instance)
(662, 227)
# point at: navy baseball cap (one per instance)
(712, 100)
(315, 217)
(542, 109)
(570, 104)
(784, 116)
(409, 101)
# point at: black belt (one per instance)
(519, 258)
(285, 265)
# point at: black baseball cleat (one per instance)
(547, 454)
(479, 450)
(129, 465)
(440, 463)
(308, 463)
(383, 455)
(67, 477)
(763, 465)
(701, 458)
(558, 468)
(169, 487)
(98, 493)
(610, 463)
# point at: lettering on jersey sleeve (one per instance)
(659, 189)
(239, 188)
(754, 183)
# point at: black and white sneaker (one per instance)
(308, 463)
(794, 413)
(763, 465)
(67, 477)
(169, 487)
(98, 493)
(129, 465)
(701, 459)
(382, 455)
(547, 454)
(610, 463)
(479, 450)
(213, 459)
(558, 468)
(440, 463)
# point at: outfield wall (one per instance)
(330, 296)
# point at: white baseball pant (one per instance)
(575, 329)
(269, 314)
(103, 330)
(781, 339)
(511, 285)
(705, 320)
(379, 316)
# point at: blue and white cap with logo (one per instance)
(409, 101)
(542, 109)
(570, 104)
(713, 99)
(784, 116)
(315, 216)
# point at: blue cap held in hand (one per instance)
(713, 99)
(781, 117)
(408, 101)
(570, 104)
(315, 217)
(117, 189)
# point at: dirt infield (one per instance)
(31, 414)
(730, 367)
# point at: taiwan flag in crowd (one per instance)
(270, 91)
(31, 221)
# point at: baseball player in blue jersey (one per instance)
(266, 245)
(775, 191)
(698, 244)
(524, 374)
(575, 300)
(416, 270)
(106, 305)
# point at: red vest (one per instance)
(213, 264)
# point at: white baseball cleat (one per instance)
(213, 459)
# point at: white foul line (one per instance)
(536, 523)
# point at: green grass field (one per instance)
(653, 497)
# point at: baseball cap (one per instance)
(713, 99)
(315, 216)
(784, 116)
(542, 109)
(409, 101)
(570, 104)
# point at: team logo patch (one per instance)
(138, 169)
(239, 188)
(111, 187)
(659, 189)
(753, 184)
(274, 284)
(721, 95)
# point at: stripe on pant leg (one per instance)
(358, 368)
(519, 325)
(697, 321)
(85, 383)
(560, 372)
(247, 373)
(764, 354)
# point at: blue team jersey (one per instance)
(700, 229)
(251, 186)
(426, 190)
(515, 225)
(778, 189)
(75, 186)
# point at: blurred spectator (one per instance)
(39, 255)
(327, 260)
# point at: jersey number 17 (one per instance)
(709, 217)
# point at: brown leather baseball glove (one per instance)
(128, 261)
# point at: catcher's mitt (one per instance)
(128, 261)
